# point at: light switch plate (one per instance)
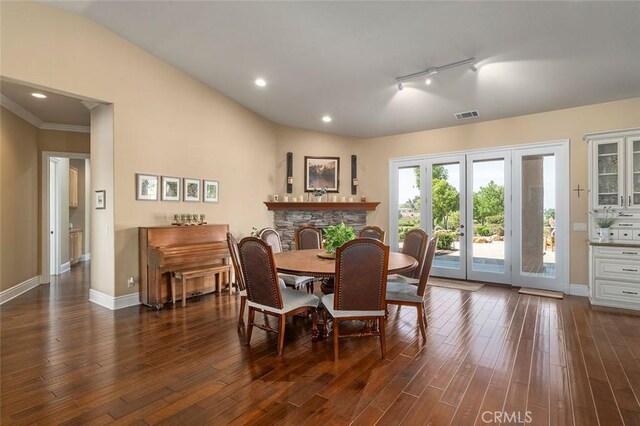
(580, 227)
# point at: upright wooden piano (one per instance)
(168, 248)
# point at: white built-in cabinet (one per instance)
(614, 183)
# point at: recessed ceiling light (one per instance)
(38, 95)
(260, 82)
(427, 81)
(326, 119)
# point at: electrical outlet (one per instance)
(131, 282)
(580, 227)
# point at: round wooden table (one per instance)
(307, 263)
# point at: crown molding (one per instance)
(66, 127)
(20, 112)
(35, 121)
(90, 105)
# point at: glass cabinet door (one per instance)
(633, 185)
(608, 174)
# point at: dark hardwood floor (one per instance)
(66, 360)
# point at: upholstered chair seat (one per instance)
(271, 237)
(328, 303)
(291, 299)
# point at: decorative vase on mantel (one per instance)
(603, 234)
(317, 198)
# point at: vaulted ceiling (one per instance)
(341, 58)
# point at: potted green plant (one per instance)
(604, 219)
(337, 235)
(318, 193)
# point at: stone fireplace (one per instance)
(290, 216)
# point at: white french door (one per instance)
(446, 213)
(540, 219)
(501, 215)
(489, 216)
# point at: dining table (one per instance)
(314, 263)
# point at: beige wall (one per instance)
(102, 222)
(570, 124)
(310, 143)
(19, 206)
(165, 122)
(61, 141)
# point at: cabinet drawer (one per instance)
(619, 252)
(618, 269)
(636, 234)
(625, 234)
(618, 291)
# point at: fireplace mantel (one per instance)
(315, 206)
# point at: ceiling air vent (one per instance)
(466, 115)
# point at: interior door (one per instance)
(446, 214)
(540, 245)
(488, 204)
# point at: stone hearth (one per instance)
(290, 216)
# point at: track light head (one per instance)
(428, 81)
(400, 87)
(473, 67)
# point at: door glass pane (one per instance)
(445, 193)
(538, 213)
(636, 173)
(488, 216)
(608, 174)
(408, 201)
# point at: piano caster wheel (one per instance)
(157, 307)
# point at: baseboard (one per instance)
(85, 257)
(65, 267)
(579, 290)
(113, 303)
(17, 290)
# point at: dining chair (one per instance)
(411, 291)
(271, 237)
(239, 278)
(372, 232)
(235, 261)
(308, 238)
(263, 292)
(360, 288)
(415, 245)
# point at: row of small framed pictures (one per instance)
(148, 188)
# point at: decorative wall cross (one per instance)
(579, 190)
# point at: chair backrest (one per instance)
(361, 275)
(235, 260)
(308, 237)
(259, 272)
(426, 269)
(374, 232)
(415, 245)
(271, 237)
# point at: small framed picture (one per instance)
(101, 199)
(170, 188)
(146, 187)
(191, 189)
(322, 173)
(211, 191)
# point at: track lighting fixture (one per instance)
(471, 62)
